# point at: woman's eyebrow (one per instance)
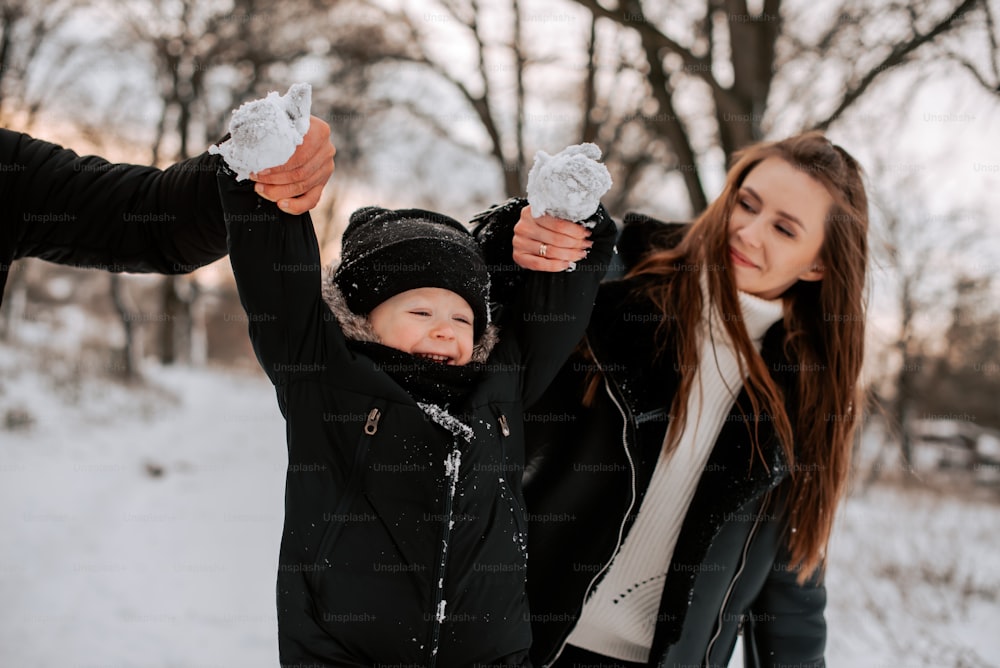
(783, 214)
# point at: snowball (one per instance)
(568, 184)
(265, 132)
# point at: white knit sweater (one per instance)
(619, 618)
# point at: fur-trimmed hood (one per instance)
(358, 328)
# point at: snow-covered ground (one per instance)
(914, 581)
(140, 528)
(103, 564)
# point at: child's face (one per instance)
(427, 322)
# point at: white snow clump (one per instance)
(440, 611)
(265, 132)
(568, 184)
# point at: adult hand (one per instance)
(547, 243)
(297, 185)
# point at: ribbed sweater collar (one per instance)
(758, 315)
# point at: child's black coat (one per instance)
(385, 557)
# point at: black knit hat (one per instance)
(385, 252)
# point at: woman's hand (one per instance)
(297, 185)
(547, 243)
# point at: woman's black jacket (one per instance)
(586, 475)
(86, 211)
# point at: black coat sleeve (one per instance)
(86, 211)
(544, 314)
(276, 262)
(785, 626)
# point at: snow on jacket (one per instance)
(86, 211)
(588, 470)
(404, 539)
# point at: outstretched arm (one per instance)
(276, 262)
(86, 211)
(545, 312)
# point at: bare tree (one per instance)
(130, 357)
(663, 87)
(493, 81)
(208, 56)
(907, 257)
(734, 57)
(965, 379)
(475, 86)
(26, 28)
(930, 338)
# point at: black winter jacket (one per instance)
(86, 211)
(588, 470)
(387, 559)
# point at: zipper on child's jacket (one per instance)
(353, 485)
(452, 464)
(371, 425)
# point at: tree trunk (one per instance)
(589, 126)
(175, 329)
(674, 132)
(903, 417)
(8, 17)
(198, 328)
(741, 108)
(173, 311)
(129, 363)
(15, 303)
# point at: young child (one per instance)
(404, 539)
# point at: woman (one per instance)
(686, 464)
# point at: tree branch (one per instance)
(699, 67)
(589, 128)
(677, 135)
(967, 64)
(898, 56)
(510, 176)
(991, 32)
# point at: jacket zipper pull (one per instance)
(504, 427)
(371, 426)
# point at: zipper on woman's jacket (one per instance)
(627, 421)
(736, 576)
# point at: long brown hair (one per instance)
(824, 323)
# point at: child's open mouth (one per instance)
(443, 359)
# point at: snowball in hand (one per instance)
(265, 132)
(568, 184)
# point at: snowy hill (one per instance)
(141, 525)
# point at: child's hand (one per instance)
(547, 243)
(297, 185)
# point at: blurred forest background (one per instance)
(442, 104)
